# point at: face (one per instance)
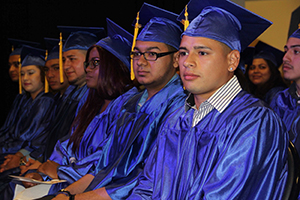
(291, 60)
(259, 72)
(53, 77)
(93, 69)
(204, 65)
(13, 63)
(31, 80)
(73, 66)
(154, 75)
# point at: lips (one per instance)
(26, 84)
(141, 73)
(286, 67)
(52, 83)
(189, 76)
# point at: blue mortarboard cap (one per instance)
(160, 26)
(81, 37)
(296, 34)
(246, 57)
(52, 45)
(267, 52)
(18, 44)
(32, 56)
(118, 42)
(224, 21)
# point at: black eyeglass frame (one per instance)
(158, 55)
(91, 63)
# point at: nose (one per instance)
(286, 56)
(66, 64)
(141, 61)
(188, 62)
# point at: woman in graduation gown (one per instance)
(34, 113)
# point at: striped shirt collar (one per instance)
(221, 98)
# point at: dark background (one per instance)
(33, 20)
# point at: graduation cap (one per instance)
(18, 44)
(52, 47)
(32, 56)
(296, 34)
(81, 37)
(118, 42)
(159, 26)
(267, 52)
(295, 21)
(246, 58)
(224, 21)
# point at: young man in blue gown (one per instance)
(224, 143)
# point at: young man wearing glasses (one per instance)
(134, 133)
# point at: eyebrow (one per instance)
(196, 47)
(148, 49)
(293, 46)
(54, 65)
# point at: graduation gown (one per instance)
(14, 112)
(65, 113)
(286, 105)
(74, 166)
(133, 136)
(31, 128)
(240, 153)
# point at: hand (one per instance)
(49, 168)
(11, 161)
(61, 197)
(30, 164)
(35, 176)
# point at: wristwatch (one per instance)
(71, 196)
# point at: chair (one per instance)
(292, 186)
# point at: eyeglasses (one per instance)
(149, 56)
(92, 63)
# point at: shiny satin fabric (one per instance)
(31, 128)
(286, 106)
(132, 138)
(238, 154)
(65, 110)
(13, 113)
(74, 166)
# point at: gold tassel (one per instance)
(136, 30)
(12, 48)
(185, 21)
(46, 82)
(20, 82)
(61, 72)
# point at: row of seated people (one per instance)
(197, 136)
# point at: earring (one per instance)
(230, 69)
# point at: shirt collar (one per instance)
(221, 98)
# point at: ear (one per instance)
(175, 59)
(233, 60)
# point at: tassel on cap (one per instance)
(46, 82)
(186, 22)
(20, 82)
(61, 75)
(136, 30)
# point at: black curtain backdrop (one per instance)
(33, 20)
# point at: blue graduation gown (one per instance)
(240, 153)
(13, 114)
(133, 136)
(286, 105)
(31, 128)
(74, 166)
